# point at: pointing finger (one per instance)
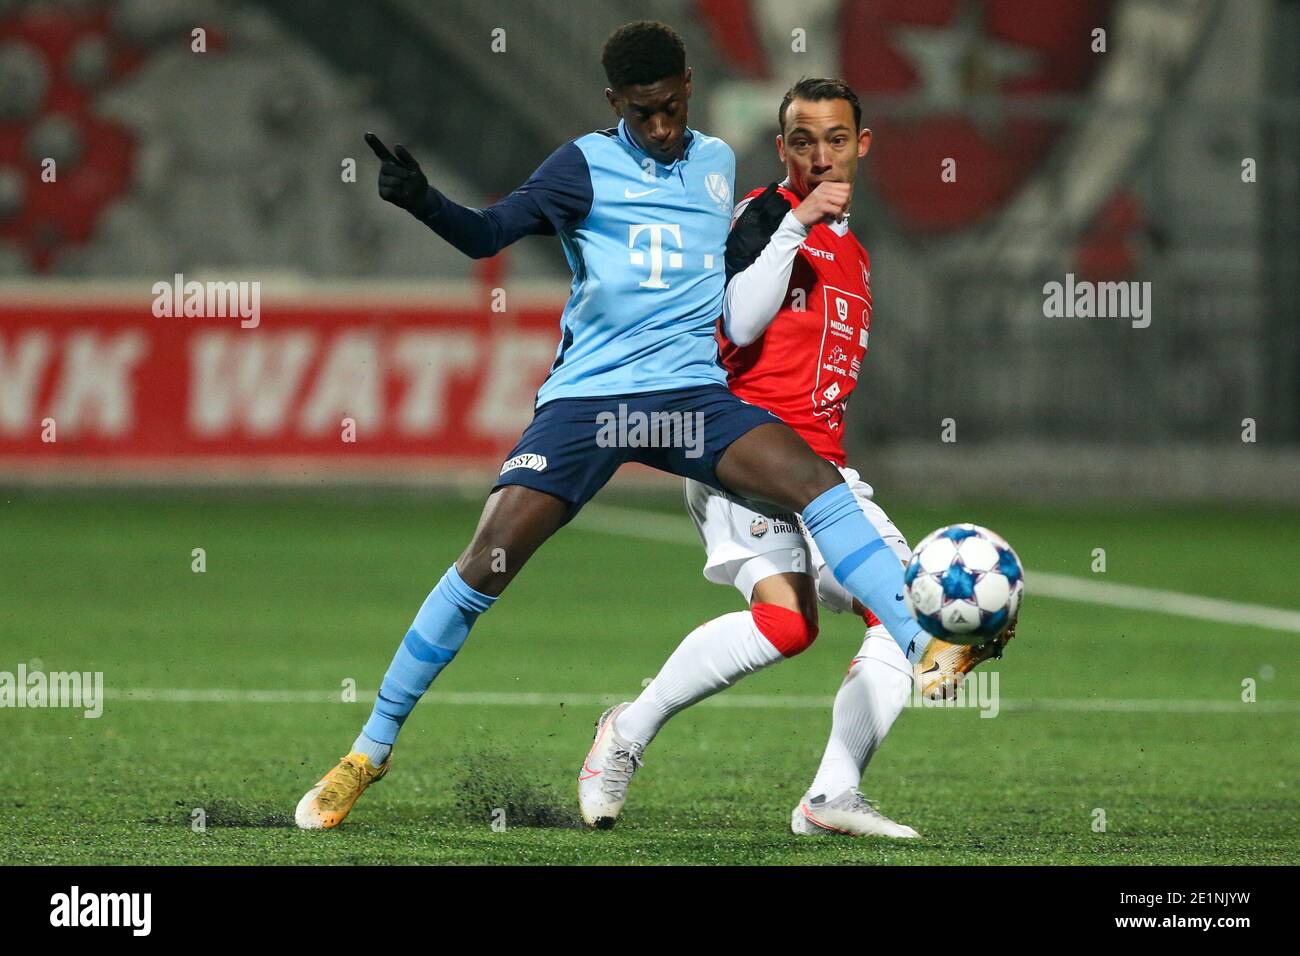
(379, 149)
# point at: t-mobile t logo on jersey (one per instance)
(637, 257)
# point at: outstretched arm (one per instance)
(558, 194)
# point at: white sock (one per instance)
(713, 656)
(870, 699)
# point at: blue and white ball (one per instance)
(964, 583)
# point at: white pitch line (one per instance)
(671, 529)
(179, 695)
(1063, 587)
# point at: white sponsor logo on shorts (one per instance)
(778, 524)
(535, 462)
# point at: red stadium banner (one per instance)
(340, 384)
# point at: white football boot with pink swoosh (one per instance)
(849, 814)
(603, 779)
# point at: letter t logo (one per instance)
(637, 258)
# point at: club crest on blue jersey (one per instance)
(719, 190)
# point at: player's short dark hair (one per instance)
(820, 88)
(641, 53)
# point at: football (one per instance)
(964, 583)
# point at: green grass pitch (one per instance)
(303, 592)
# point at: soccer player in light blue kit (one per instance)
(642, 211)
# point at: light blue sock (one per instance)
(373, 749)
(436, 634)
(862, 562)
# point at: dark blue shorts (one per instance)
(573, 446)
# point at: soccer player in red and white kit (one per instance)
(794, 333)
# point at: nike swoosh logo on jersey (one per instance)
(628, 194)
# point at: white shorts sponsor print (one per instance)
(746, 541)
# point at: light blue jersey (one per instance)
(648, 270)
(646, 243)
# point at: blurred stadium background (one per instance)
(1161, 692)
(230, 164)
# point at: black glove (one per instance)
(401, 181)
(753, 230)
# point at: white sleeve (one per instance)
(754, 295)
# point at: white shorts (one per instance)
(745, 541)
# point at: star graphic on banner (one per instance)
(959, 60)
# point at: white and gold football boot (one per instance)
(944, 666)
(324, 806)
